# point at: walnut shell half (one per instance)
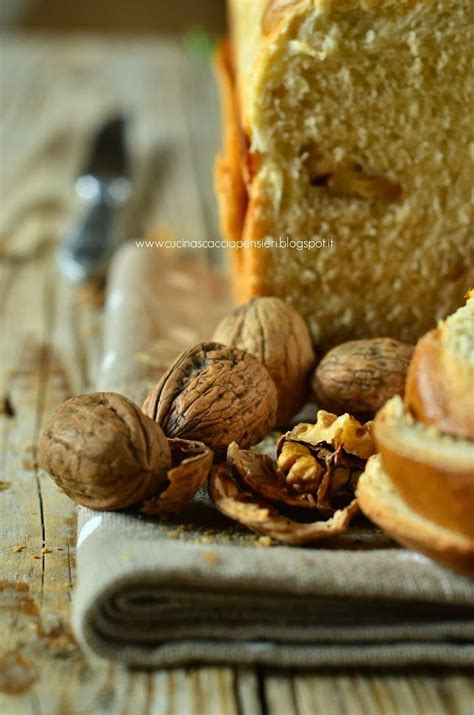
(261, 475)
(104, 452)
(277, 335)
(191, 463)
(216, 395)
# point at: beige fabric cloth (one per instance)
(149, 597)
(201, 589)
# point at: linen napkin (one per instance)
(201, 589)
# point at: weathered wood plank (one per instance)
(246, 691)
(199, 89)
(177, 201)
(36, 568)
(52, 347)
(279, 695)
(389, 694)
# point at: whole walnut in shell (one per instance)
(277, 335)
(104, 452)
(214, 394)
(359, 376)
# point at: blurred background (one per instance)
(65, 68)
(112, 16)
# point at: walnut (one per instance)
(326, 459)
(104, 452)
(354, 183)
(317, 470)
(361, 375)
(215, 394)
(244, 506)
(303, 471)
(336, 432)
(346, 181)
(191, 463)
(262, 476)
(277, 335)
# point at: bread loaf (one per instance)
(348, 124)
(432, 472)
(440, 380)
(420, 489)
(381, 502)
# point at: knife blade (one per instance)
(103, 188)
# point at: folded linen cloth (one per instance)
(201, 589)
(150, 595)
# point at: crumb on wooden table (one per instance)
(209, 556)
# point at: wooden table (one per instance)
(53, 93)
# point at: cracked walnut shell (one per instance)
(277, 335)
(317, 470)
(216, 395)
(191, 463)
(238, 502)
(104, 452)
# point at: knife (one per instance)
(103, 188)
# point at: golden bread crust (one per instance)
(235, 170)
(440, 380)
(381, 501)
(274, 12)
(433, 474)
(230, 186)
(432, 397)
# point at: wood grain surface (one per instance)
(53, 93)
